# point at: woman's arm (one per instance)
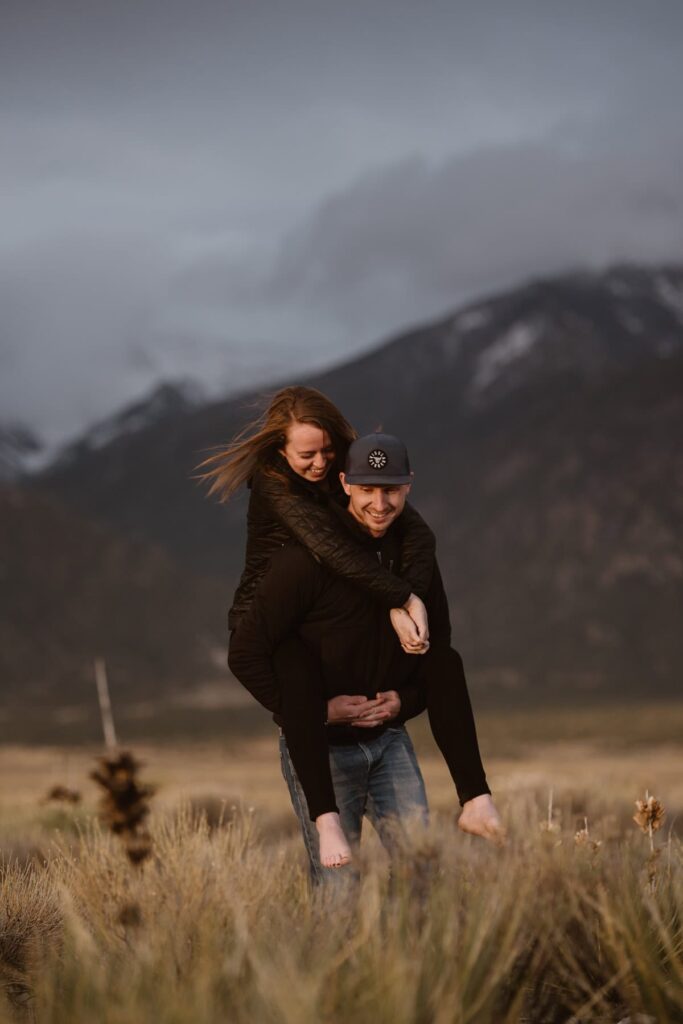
(418, 551)
(317, 528)
(418, 558)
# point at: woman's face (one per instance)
(308, 451)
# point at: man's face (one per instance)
(374, 507)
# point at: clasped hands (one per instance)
(363, 712)
(411, 625)
(412, 628)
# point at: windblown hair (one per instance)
(256, 446)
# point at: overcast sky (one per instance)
(232, 190)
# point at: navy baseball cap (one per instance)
(378, 460)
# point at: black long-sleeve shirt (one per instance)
(282, 506)
(348, 629)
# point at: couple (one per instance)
(340, 625)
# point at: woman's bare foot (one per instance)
(334, 848)
(480, 818)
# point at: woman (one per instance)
(291, 459)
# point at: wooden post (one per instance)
(105, 704)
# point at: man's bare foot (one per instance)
(480, 818)
(334, 848)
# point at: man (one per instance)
(372, 686)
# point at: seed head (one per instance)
(650, 814)
(582, 839)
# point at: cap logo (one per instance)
(377, 458)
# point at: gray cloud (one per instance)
(228, 189)
(413, 239)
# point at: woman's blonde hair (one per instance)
(256, 445)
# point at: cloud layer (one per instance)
(231, 190)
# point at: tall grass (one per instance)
(218, 926)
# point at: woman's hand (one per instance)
(418, 613)
(408, 632)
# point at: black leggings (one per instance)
(442, 675)
(304, 709)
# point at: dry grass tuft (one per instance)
(30, 926)
(217, 924)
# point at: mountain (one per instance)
(18, 447)
(166, 401)
(76, 590)
(544, 428)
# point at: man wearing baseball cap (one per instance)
(367, 678)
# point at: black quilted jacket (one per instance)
(283, 505)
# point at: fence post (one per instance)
(105, 704)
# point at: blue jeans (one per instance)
(379, 779)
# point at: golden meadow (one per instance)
(577, 919)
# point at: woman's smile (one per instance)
(308, 451)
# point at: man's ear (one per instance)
(347, 487)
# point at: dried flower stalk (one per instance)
(124, 805)
(649, 817)
(550, 827)
(650, 814)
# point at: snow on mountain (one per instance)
(632, 323)
(472, 319)
(168, 400)
(165, 400)
(516, 342)
(18, 447)
(671, 295)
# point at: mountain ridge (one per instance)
(545, 465)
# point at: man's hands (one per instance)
(411, 625)
(343, 710)
(361, 712)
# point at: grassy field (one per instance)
(218, 925)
